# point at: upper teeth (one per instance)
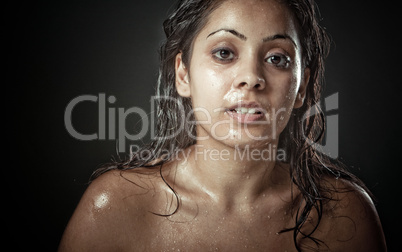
(245, 110)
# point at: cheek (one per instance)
(283, 94)
(282, 91)
(207, 86)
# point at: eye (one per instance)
(223, 54)
(279, 60)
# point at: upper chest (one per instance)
(208, 231)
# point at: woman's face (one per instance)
(245, 74)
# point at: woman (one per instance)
(233, 166)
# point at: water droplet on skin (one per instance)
(101, 200)
(233, 96)
(234, 134)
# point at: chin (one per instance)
(251, 137)
(248, 142)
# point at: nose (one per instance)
(249, 76)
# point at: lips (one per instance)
(246, 112)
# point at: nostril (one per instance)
(257, 85)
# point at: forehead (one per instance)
(253, 18)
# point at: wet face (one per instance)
(245, 75)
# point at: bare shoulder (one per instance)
(350, 220)
(113, 210)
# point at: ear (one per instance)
(182, 80)
(301, 94)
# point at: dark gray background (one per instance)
(63, 49)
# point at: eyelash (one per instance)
(282, 57)
(220, 50)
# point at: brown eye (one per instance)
(276, 60)
(281, 61)
(223, 54)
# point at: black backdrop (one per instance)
(61, 50)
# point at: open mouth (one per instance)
(244, 111)
(246, 114)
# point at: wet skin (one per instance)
(248, 56)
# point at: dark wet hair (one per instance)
(308, 167)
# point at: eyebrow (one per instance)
(234, 32)
(244, 38)
(279, 36)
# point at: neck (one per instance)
(232, 175)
